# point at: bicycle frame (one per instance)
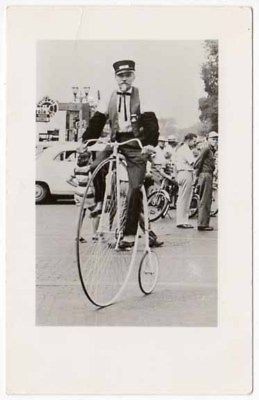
(116, 156)
(114, 227)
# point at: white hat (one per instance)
(162, 139)
(213, 134)
(172, 138)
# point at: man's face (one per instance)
(213, 141)
(125, 80)
(192, 143)
(172, 144)
(199, 146)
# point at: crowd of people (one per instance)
(194, 159)
(185, 160)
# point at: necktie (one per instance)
(123, 94)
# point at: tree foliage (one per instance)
(209, 73)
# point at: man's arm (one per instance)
(149, 129)
(199, 161)
(95, 127)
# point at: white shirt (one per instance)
(184, 158)
(159, 157)
(171, 152)
(124, 126)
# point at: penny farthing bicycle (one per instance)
(104, 269)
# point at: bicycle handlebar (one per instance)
(129, 141)
(113, 144)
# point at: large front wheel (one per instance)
(103, 268)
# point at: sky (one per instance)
(167, 74)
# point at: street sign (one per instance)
(46, 108)
(42, 118)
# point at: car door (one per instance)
(63, 167)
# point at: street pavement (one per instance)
(185, 295)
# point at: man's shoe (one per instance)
(184, 226)
(205, 228)
(123, 245)
(153, 240)
(97, 210)
(155, 243)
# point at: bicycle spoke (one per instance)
(103, 269)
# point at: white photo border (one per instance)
(165, 342)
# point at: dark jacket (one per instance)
(148, 129)
(205, 161)
(147, 126)
(95, 127)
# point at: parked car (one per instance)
(54, 166)
(40, 147)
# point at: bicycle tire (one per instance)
(214, 203)
(193, 211)
(103, 270)
(214, 213)
(148, 272)
(157, 203)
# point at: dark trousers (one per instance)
(99, 182)
(136, 167)
(205, 184)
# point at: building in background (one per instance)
(69, 126)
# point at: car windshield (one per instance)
(40, 149)
(67, 155)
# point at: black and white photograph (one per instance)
(129, 200)
(127, 183)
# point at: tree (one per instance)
(209, 73)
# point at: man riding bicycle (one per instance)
(126, 122)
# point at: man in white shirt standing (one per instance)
(184, 167)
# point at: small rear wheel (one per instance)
(148, 272)
(194, 206)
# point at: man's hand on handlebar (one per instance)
(148, 150)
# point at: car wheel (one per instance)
(41, 192)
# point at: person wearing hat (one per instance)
(205, 166)
(126, 122)
(159, 157)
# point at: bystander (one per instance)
(184, 167)
(205, 166)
